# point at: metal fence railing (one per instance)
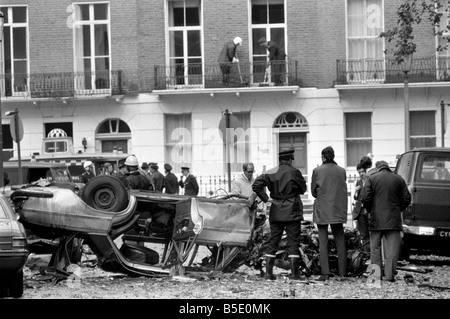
(226, 75)
(382, 71)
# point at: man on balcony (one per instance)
(277, 60)
(228, 56)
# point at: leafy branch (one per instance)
(410, 14)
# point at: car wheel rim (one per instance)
(104, 198)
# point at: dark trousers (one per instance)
(339, 239)
(362, 223)
(226, 70)
(391, 246)
(293, 232)
(279, 71)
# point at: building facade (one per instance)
(143, 76)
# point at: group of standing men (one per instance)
(383, 194)
(148, 177)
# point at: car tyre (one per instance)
(16, 285)
(105, 193)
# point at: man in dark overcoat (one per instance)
(385, 195)
(228, 56)
(277, 59)
(156, 178)
(286, 184)
(170, 180)
(329, 187)
(189, 184)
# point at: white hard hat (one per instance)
(237, 40)
(131, 161)
(87, 163)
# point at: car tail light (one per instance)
(19, 242)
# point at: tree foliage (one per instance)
(410, 14)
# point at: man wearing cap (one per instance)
(277, 59)
(156, 178)
(170, 181)
(329, 188)
(385, 195)
(285, 184)
(88, 172)
(228, 56)
(189, 184)
(122, 173)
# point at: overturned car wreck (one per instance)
(116, 223)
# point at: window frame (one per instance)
(168, 145)
(256, 68)
(422, 136)
(79, 78)
(9, 23)
(443, 57)
(187, 79)
(347, 139)
(366, 69)
(115, 134)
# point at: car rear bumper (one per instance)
(428, 242)
(12, 261)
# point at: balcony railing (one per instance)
(228, 75)
(69, 84)
(382, 71)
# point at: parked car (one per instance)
(426, 222)
(13, 250)
(105, 210)
(33, 171)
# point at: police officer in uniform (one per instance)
(189, 184)
(285, 184)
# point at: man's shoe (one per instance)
(322, 278)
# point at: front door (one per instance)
(297, 141)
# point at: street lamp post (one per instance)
(443, 122)
(406, 67)
(2, 20)
(227, 146)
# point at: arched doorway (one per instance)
(292, 129)
(112, 134)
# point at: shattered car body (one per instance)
(116, 222)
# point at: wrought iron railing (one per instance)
(71, 84)
(381, 71)
(226, 75)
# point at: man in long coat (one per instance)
(277, 58)
(189, 184)
(385, 195)
(228, 56)
(286, 184)
(329, 187)
(156, 178)
(170, 181)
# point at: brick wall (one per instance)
(315, 29)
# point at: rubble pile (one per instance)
(309, 249)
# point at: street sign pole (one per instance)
(16, 127)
